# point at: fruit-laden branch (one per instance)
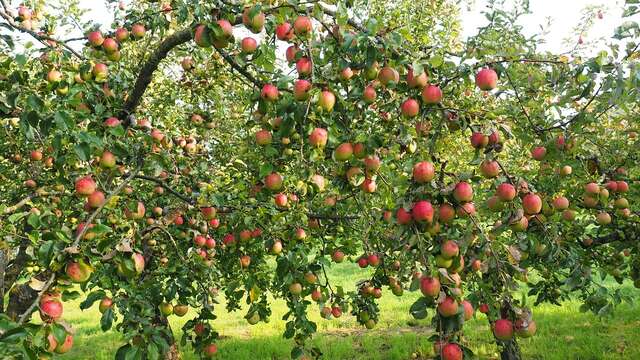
(13, 208)
(165, 186)
(146, 72)
(242, 70)
(628, 234)
(27, 314)
(41, 38)
(578, 115)
(95, 213)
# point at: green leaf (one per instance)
(152, 351)
(107, 320)
(92, 298)
(59, 333)
(45, 253)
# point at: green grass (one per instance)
(563, 332)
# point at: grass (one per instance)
(563, 332)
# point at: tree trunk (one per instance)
(510, 350)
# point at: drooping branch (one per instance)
(40, 37)
(146, 72)
(165, 186)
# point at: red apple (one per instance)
(538, 153)
(263, 137)
(96, 199)
(269, 92)
(85, 186)
(503, 329)
(431, 94)
(369, 94)
(479, 140)
(463, 192)
(423, 172)
(284, 31)
(446, 213)
(388, 75)
(422, 211)
(489, 168)
(137, 30)
(281, 200)
(253, 19)
(248, 45)
(560, 203)
(531, 203)
(430, 286)
(327, 100)
(448, 307)
(417, 81)
(451, 352)
(95, 38)
(486, 79)
(273, 181)
(122, 34)
(318, 137)
(343, 152)
(110, 45)
(410, 108)
(302, 26)
(403, 217)
(449, 249)
(301, 89)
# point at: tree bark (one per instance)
(510, 350)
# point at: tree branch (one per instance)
(27, 314)
(165, 186)
(146, 72)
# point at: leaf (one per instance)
(152, 351)
(70, 295)
(62, 120)
(92, 298)
(83, 151)
(107, 320)
(419, 308)
(14, 335)
(59, 333)
(45, 253)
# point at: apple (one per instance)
(489, 168)
(281, 200)
(560, 203)
(263, 137)
(503, 329)
(449, 249)
(479, 140)
(463, 192)
(269, 92)
(24, 13)
(468, 310)
(95, 38)
(65, 346)
(78, 271)
(100, 71)
(202, 36)
(318, 137)
(506, 192)
(494, 138)
(111, 122)
(180, 310)
(446, 213)
(410, 108)
(603, 218)
(105, 304)
(372, 163)
(50, 309)
(346, 74)
(538, 153)
(107, 160)
(531, 203)
(85, 186)
(295, 288)
(369, 94)
(326, 100)
(253, 19)
(54, 76)
(525, 329)
(245, 261)
(403, 217)
(423, 172)
(373, 260)
(291, 53)
(417, 81)
(284, 31)
(273, 181)
(422, 211)
(431, 94)
(343, 152)
(448, 307)
(301, 89)
(430, 286)
(36, 155)
(388, 75)
(137, 30)
(122, 34)
(302, 26)
(622, 186)
(337, 256)
(369, 186)
(110, 45)
(304, 66)
(486, 79)
(363, 262)
(451, 351)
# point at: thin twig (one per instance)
(31, 308)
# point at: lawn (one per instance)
(563, 332)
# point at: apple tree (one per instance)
(238, 149)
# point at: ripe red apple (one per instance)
(50, 309)
(388, 75)
(451, 352)
(199, 240)
(560, 203)
(373, 260)
(463, 192)
(36, 155)
(503, 329)
(369, 94)
(253, 19)
(284, 31)
(468, 310)
(466, 209)
(95, 38)
(100, 71)
(210, 350)
(263, 137)
(479, 140)
(302, 26)
(269, 92)
(327, 100)
(78, 271)
(531, 203)
(137, 30)
(448, 307)
(489, 168)
(304, 67)
(363, 263)
(423, 172)
(506, 192)
(494, 138)
(403, 217)
(603, 218)
(65, 346)
(210, 243)
(301, 89)
(431, 94)
(346, 74)
(622, 186)
(281, 200)
(430, 286)
(202, 36)
(422, 211)
(538, 153)
(372, 163)
(111, 122)
(245, 261)
(337, 256)
(369, 186)
(446, 213)
(318, 137)
(249, 45)
(417, 81)
(291, 53)
(107, 160)
(105, 304)
(410, 108)
(54, 76)
(85, 186)
(122, 34)
(343, 152)
(486, 79)
(273, 181)
(208, 212)
(135, 211)
(110, 45)
(449, 249)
